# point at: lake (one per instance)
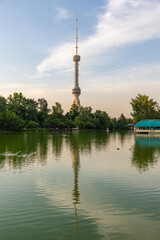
(79, 185)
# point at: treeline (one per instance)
(18, 112)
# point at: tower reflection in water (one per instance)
(76, 168)
(82, 143)
(75, 192)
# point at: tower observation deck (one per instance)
(76, 91)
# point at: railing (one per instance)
(146, 130)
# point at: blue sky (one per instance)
(119, 44)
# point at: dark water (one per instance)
(79, 185)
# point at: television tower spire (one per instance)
(76, 91)
(76, 33)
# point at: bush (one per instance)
(32, 124)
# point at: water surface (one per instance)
(79, 185)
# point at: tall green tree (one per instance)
(56, 118)
(122, 122)
(43, 111)
(10, 121)
(85, 111)
(113, 123)
(85, 119)
(57, 111)
(24, 108)
(143, 108)
(74, 111)
(3, 104)
(103, 120)
(30, 106)
(16, 104)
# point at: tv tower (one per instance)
(76, 91)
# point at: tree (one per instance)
(85, 118)
(30, 106)
(43, 111)
(122, 122)
(85, 111)
(32, 124)
(143, 108)
(3, 104)
(10, 121)
(56, 119)
(25, 108)
(74, 111)
(57, 110)
(113, 123)
(16, 104)
(103, 120)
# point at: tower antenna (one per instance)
(76, 33)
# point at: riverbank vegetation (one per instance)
(18, 112)
(144, 108)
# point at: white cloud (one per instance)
(62, 14)
(123, 22)
(26, 75)
(144, 78)
(60, 59)
(29, 90)
(19, 86)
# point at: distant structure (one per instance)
(76, 91)
(147, 126)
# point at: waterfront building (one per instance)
(147, 126)
(76, 91)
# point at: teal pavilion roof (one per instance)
(148, 123)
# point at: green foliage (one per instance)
(10, 121)
(31, 110)
(19, 112)
(32, 124)
(3, 104)
(122, 122)
(25, 108)
(79, 122)
(57, 111)
(113, 123)
(16, 104)
(42, 111)
(74, 111)
(68, 123)
(56, 118)
(103, 120)
(53, 122)
(143, 108)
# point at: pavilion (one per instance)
(147, 126)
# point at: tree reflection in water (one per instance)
(146, 151)
(57, 143)
(31, 147)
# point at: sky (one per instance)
(119, 45)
